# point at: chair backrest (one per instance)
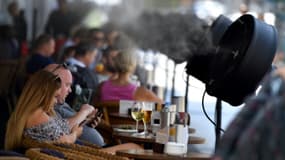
(13, 158)
(111, 112)
(70, 150)
(36, 153)
(108, 107)
(11, 155)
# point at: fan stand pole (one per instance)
(173, 82)
(186, 94)
(218, 117)
(165, 92)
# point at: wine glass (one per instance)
(137, 114)
(147, 110)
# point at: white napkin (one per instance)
(125, 105)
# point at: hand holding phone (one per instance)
(85, 121)
(89, 120)
(99, 113)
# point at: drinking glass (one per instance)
(147, 111)
(137, 114)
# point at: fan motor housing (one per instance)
(243, 56)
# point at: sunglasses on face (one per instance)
(63, 65)
(57, 79)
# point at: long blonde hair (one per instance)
(39, 92)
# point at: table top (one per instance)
(140, 127)
(151, 139)
(149, 154)
(120, 115)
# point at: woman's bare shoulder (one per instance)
(142, 91)
(37, 117)
(145, 94)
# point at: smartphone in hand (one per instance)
(99, 113)
(90, 119)
(85, 121)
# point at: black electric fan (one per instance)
(233, 69)
(242, 55)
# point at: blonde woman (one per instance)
(34, 115)
(124, 64)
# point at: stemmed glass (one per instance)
(147, 110)
(137, 114)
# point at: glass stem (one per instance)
(137, 124)
(144, 126)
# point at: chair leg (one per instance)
(106, 116)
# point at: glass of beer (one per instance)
(147, 110)
(137, 114)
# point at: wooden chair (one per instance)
(108, 107)
(13, 158)
(105, 127)
(36, 153)
(111, 114)
(106, 131)
(70, 151)
(12, 155)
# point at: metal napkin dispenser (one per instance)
(172, 118)
(164, 119)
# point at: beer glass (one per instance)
(147, 111)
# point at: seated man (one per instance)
(65, 111)
(85, 81)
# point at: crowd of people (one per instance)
(64, 82)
